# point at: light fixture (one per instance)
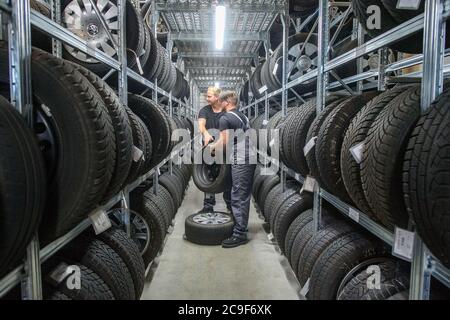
(220, 26)
(217, 85)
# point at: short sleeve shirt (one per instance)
(212, 118)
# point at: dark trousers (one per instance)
(237, 195)
(210, 201)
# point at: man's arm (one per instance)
(202, 127)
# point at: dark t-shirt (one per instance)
(212, 118)
(230, 121)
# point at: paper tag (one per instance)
(357, 152)
(262, 90)
(403, 244)
(275, 69)
(265, 122)
(138, 154)
(58, 275)
(100, 221)
(309, 185)
(297, 176)
(46, 110)
(311, 143)
(158, 171)
(305, 288)
(408, 4)
(352, 213)
(138, 63)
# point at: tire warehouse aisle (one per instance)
(350, 196)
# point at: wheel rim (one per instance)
(80, 18)
(301, 61)
(211, 218)
(44, 130)
(210, 172)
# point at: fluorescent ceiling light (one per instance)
(217, 85)
(220, 26)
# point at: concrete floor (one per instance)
(188, 271)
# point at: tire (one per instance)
(401, 15)
(81, 126)
(139, 142)
(298, 224)
(394, 280)
(356, 134)
(168, 183)
(329, 143)
(104, 261)
(122, 131)
(215, 228)
(267, 203)
(314, 132)
(211, 178)
(381, 167)
(338, 259)
(23, 186)
(128, 251)
(163, 201)
(38, 38)
(291, 187)
(93, 287)
(286, 215)
(257, 183)
(268, 185)
(148, 154)
(318, 243)
(426, 178)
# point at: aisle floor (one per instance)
(188, 271)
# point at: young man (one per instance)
(233, 125)
(208, 119)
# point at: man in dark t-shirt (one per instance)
(208, 119)
(233, 126)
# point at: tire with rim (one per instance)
(139, 145)
(298, 224)
(209, 228)
(211, 178)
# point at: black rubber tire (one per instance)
(338, 259)
(93, 287)
(355, 134)
(122, 131)
(298, 224)
(256, 81)
(268, 185)
(148, 154)
(394, 279)
(104, 261)
(381, 167)
(208, 234)
(139, 142)
(128, 251)
(317, 244)
(329, 143)
(292, 186)
(156, 121)
(23, 186)
(168, 183)
(286, 215)
(268, 202)
(163, 201)
(402, 15)
(314, 132)
(207, 185)
(257, 184)
(83, 129)
(426, 178)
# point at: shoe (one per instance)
(205, 209)
(233, 242)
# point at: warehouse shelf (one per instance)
(17, 275)
(437, 270)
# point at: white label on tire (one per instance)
(158, 171)
(357, 152)
(265, 122)
(305, 288)
(408, 4)
(138, 63)
(59, 274)
(275, 69)
(100, 221)
(262, 89)
(352, 213)
(403, 244)
(309, 185)
(308, 147)
(138, 154)
(271, 143)
(46, 110)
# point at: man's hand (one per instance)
(207, 138)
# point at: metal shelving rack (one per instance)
(20, 18)
(432, 21)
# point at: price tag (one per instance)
(58, 275)
(275, 69)
(352, 213)
(311, 143)
(357, 152)
(408, 4)
(262, 90)
(265, 122)
(305, 288)
(309, 185)
(138, 154)
(403, 244)
(100, 221)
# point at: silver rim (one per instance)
(139, 229)
(300, 65)
(211, 218)
(80, 18)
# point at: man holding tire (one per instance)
(208, 119)
(233, 126)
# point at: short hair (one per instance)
(216, 91)
(230, 96)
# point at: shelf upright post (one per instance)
(284, 94)
(154, 21)
(432, 86)
(322, 80)
(19, 33)
(56, 16)
(360, 61)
